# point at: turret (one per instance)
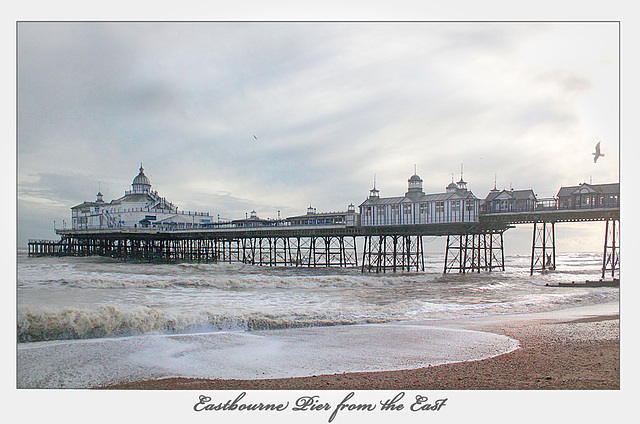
(374, 193)
(141, 183)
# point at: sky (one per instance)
(331, 105)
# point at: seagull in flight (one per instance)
(255, 137)
(597, 154)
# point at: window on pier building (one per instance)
(393, 217)
(455, 206)
(407, 209)
(423, 208)
(439, 207)
(469, 206)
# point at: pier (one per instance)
(389, 230)
(470, 247)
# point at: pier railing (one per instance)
(547, 204)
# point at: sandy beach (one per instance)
(577, 348)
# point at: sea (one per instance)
(91, 321)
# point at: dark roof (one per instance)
(515, 194)
(523, 194)
(610, 188)
(86, 205)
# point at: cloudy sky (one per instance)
(331, 105)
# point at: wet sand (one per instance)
(574, 350)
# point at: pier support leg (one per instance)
(474, 252)
(543, 248)
(496, 251)
(611, 254)
(392, 252)
(453, 256)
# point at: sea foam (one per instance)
(259, 355)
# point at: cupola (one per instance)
(374, 193)
(452, 187)
(415, 184)
(141, 183)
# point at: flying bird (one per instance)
(255, 137)
(597, 154)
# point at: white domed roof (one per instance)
(141, 178)
(141, 183)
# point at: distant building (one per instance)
(456, 204)
(509, 201)
(589, 196)
(139, 207)
(348, 218)
(252, 221)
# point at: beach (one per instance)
(574, 348)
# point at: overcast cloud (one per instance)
(331, 104)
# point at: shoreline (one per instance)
(574, 348)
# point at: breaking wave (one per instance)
(113, 321)
(84, 298)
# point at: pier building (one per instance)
(139, 207)
(589, 196)
(509, 200)
(456, 204)
(348, 218)
(253, 220)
